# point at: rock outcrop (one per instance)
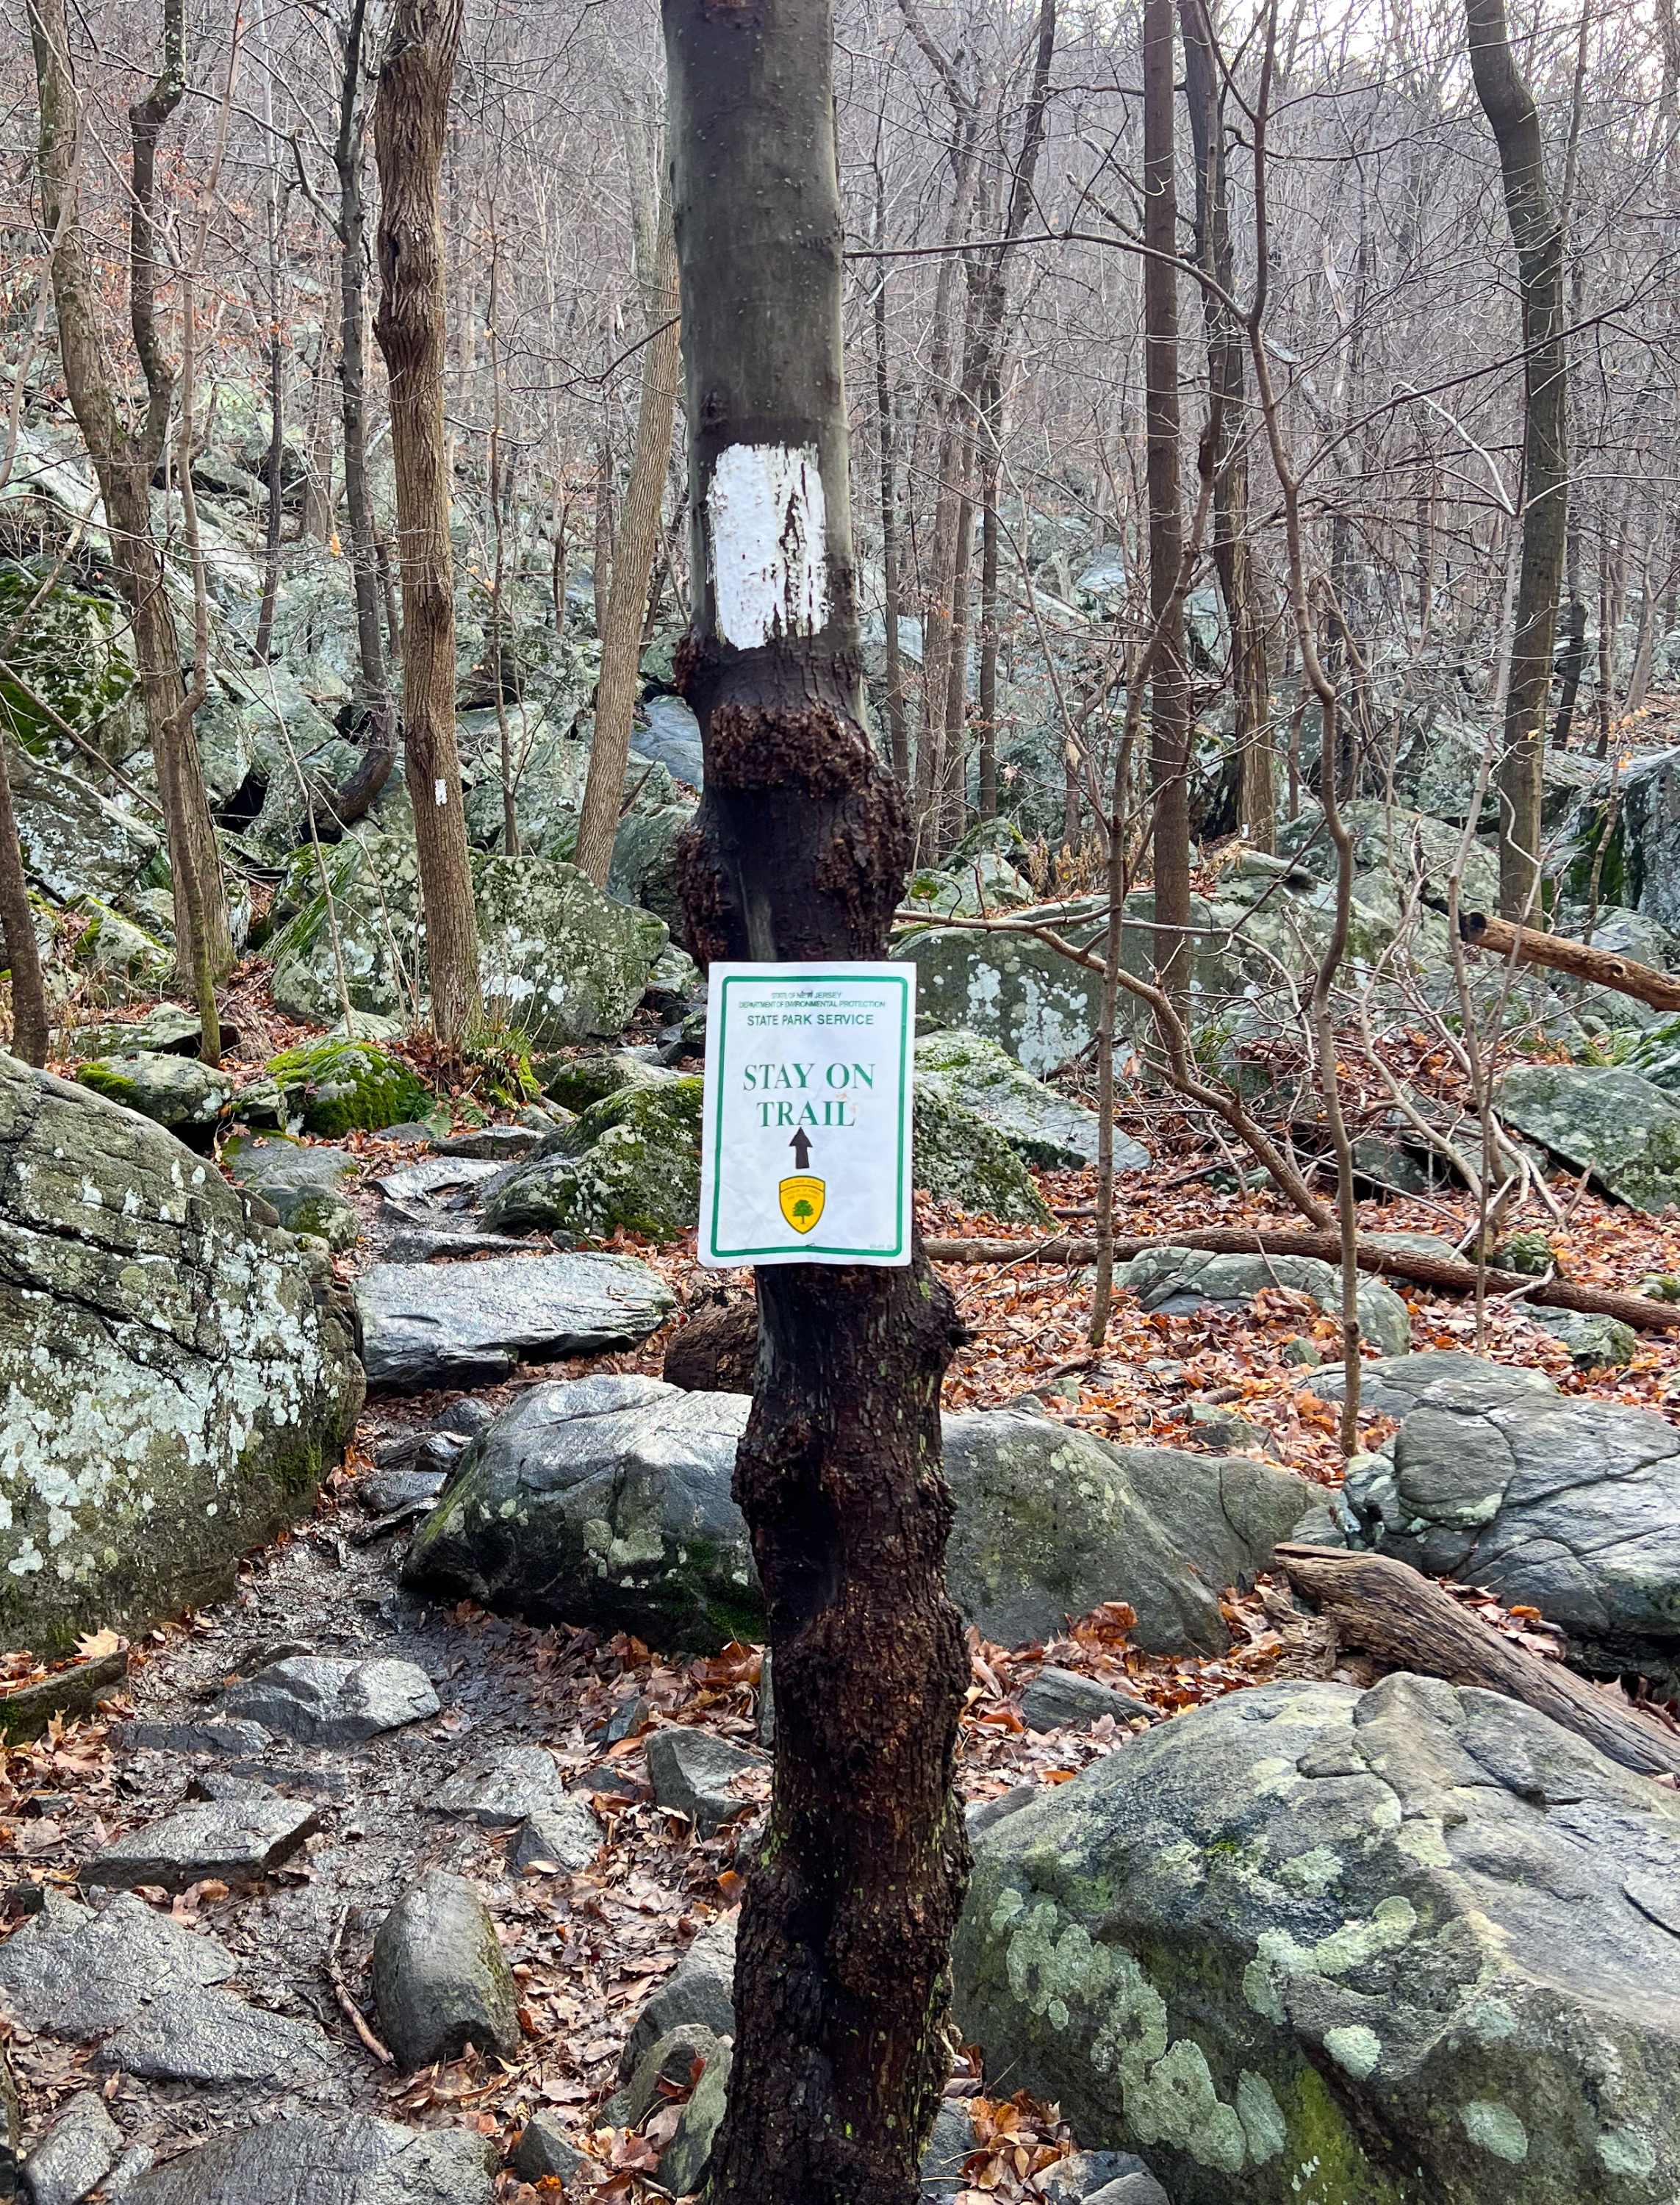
(176, 1377)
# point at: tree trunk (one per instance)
(800, 852)
(409, 115)
(1169, 712)
(1250, 681)
(356, 798)
(638, 538)
(124, 460)
(1538, 237)
(30, 1030)
(897, 735)
(988, 731)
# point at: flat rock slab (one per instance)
(319, 2161)
(468, 1323)
(320, 1701)
(1444, 1378)
(80, 1975)
(435, 1177)
(1180, 1281)
(695, 1774)
(236, 1840)
(566, 1837)
(504, 1786)
(77, 2152)
(189, 2034)
(209, 1736)
(501, 1145)
(1603, 1118)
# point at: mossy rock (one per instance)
(303, 1185)
(331, 1087)
(960, 1159)
(575, 1082)
(632, 1160)
(122, 957)
(174, 1091)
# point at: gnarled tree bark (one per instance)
(800, 852)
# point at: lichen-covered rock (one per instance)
(73, 843)
(608, 1502)
(961, 1158)
(328, 1087)
(176, 1092)
(1042, 1127)
(559, 960)
(1177, 1282)
(1409, 1946)
(304, 1186)
(373, 878)
(984, 881)
(575, 1082)
(1011, 988)
(123, 959)
(1597, 1117)
(633, 1160)
(1595, 1343)
(643, 869)
(175, 1377)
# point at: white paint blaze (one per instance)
(767, 523)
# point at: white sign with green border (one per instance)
(804, 1155)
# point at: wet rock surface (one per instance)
(463, 1324)
(322, 1702)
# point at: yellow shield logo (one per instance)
(801, 1202)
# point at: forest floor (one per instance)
(588, 1948)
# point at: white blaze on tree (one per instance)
(767, 527)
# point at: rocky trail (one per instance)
(354, 1890)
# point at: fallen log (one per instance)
(27, 1710)
(1406, 1621)
(1445, 1274)
(1601, 967)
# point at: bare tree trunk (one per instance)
(358, 794)
(124, 460)
(1538, 237)
(638, 538)
(31, 1031)
(1169, 714)
(799, 852)
(1250, 681)
(988, 732)
(897, 734)
(409, 116)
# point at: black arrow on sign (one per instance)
(800, 1145)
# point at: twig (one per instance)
(353, 2013)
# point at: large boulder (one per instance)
(73, 841)
(177, 1092)
(1181, 1281)
(960, 1157)
(1597, 1117)
(1413, 1945)
(1567, 1505)
(1011, 988)
(607, 1500)
(311, 2159)
(1042, 1127)
(559, 960)
(632, 1160)
(176, 1377)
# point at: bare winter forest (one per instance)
(1160, 1683)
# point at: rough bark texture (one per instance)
(1408, 1622)
(801, 851)
(1538, 237)
(638, 538)
(1169, 713)
(409, 115)
(124, 460)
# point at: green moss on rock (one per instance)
(329, 1087)
(632, 1160)
(959, 1158)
